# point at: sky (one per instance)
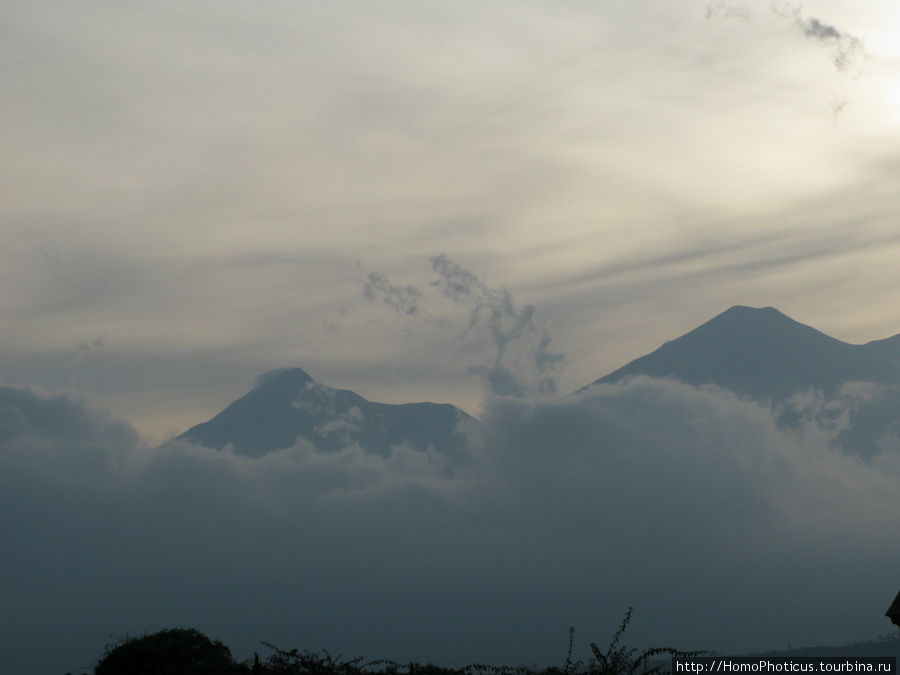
(197, 193)
(413, 200)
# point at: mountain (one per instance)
(765, 354)
(288, 404)
(759, 353)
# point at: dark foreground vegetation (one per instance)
(180, 651)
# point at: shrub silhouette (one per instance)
(621, 661)
(177, 651)
(181, 651)
(305, 662)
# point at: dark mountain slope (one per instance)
(289, 404)
(765, 354)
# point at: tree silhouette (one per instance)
(177, 651)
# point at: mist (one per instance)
(722, 529)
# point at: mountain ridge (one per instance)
(756, 352)
(288, 405)
(764, 353)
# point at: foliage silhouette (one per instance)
(284, 662)
(620, 660)
(189, 652)
(177, 651)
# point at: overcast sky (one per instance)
(397, 196)
(195, 193)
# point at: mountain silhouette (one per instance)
(800, 371)
(765, 354)
(754, 352)
(288, 404)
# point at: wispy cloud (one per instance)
(848, 51)
(404, 299)
(522, 363)
(726, 10)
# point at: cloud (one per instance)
(96, 343)
(476, 146)
(342, 425)
(725, 530)
(837, 106)
(317, 399)
(404, 299)
(510, 328)
(522, 363)
(847, 50)
(726, 10)
(27, 415)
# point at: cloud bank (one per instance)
(724, 530)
